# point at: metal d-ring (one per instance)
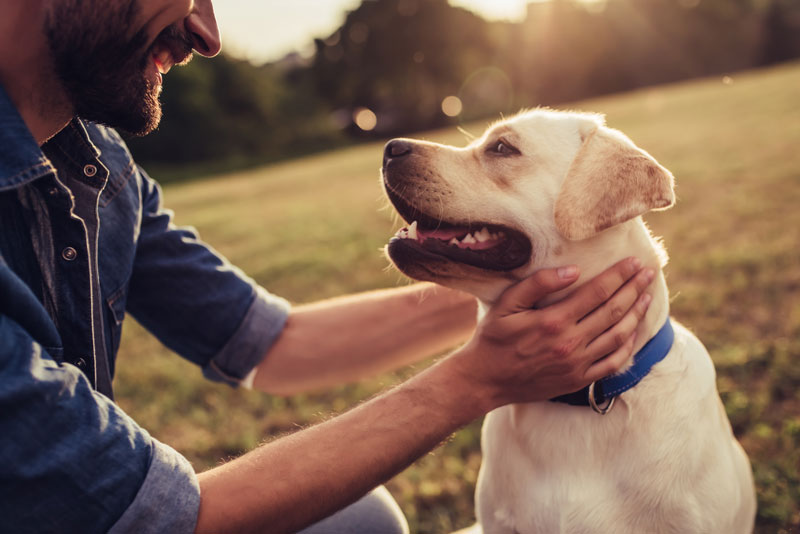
(602, 410)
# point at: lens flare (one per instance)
(365, 119)
(452, 106)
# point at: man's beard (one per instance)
(101, 70)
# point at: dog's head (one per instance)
(486, 215)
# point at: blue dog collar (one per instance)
(605, 390)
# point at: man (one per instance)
(84, 239)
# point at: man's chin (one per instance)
(135, 120)
(143, 124)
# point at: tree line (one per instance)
(398, 60)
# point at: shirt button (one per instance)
(80, 363)
(90, 170)
(69, 253)
(53, 191)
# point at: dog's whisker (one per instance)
(470, 137)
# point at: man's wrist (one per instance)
(469, 398)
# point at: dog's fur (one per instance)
(664, 459)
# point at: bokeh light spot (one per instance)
(452, 106)
(365, 119)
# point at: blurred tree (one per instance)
(231, 113)
(782, 31)
(401, 58)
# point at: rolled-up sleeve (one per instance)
(167, 501)
(72, 461)
(261, 326)
(197, 303)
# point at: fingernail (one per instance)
(570, 271)
(636, 263)
(649, 274)
(644, 301)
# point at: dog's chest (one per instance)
(555, 468)
(542, 475)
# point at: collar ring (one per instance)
(602, 410)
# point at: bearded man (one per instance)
(84, 240)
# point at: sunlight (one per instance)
(495, 9)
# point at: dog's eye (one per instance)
(502, 148)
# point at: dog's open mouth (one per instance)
(479, 244)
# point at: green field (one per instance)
(314, 227)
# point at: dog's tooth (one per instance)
(469, 239)
(453, 241)
(412, 231)
(483, 235)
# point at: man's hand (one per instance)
(523, 354)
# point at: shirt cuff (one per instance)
(260, 328)
(167, 501)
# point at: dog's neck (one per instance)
(598, 253)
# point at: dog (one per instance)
(548, 188)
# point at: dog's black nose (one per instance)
(396, 148)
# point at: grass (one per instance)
(312, 228)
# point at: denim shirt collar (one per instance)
(21, 158)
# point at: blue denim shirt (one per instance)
(83, 240)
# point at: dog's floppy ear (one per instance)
(609, 182)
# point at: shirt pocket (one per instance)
(115, 315)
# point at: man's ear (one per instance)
(609, 182)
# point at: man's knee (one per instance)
(376, 513)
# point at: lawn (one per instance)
(313, 228)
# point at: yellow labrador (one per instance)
(654, 452)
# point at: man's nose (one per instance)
(201, 24)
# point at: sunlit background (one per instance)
(334, 72)
(287, 129)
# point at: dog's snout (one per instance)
(396, 148)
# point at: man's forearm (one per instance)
(296, 480)
(349, 338)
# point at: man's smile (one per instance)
(170, 48)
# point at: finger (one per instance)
(596, 291)
(612, 363)
(524, 294)
(610, 340)
(615, 308)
